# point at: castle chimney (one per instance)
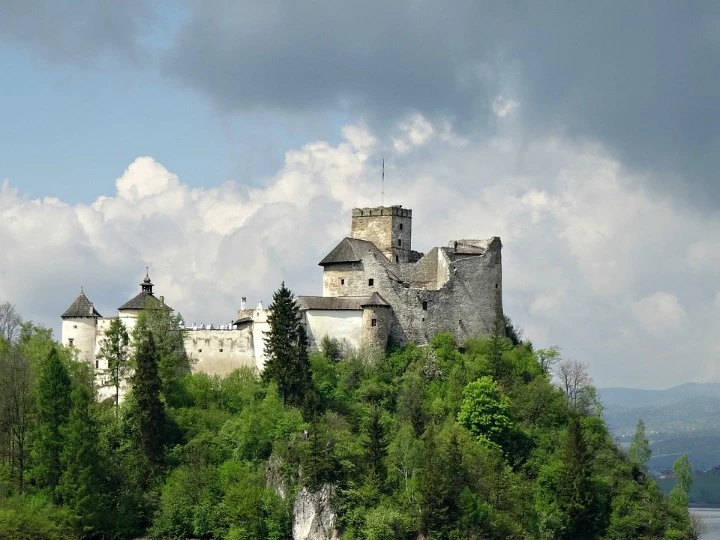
(242, 302)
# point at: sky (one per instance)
(223, 145)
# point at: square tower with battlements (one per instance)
(388, 227)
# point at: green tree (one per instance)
(485, 412)
(286, 351)
(146, 414)
(81, 485)
(17, 410)
(53, 405)
(376, 448)
(575, 490)
(680, 494)
(640, 451)
(115, 350)
(173, 361)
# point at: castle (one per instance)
(376, 290)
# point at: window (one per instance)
(97, 364)
(373, 322)
(70, 341)
(399, 242)
(425, 305)
(401, 226)
(74, 325)
(371, 282)
(342, 281)
(397, 259)
(199, 350)
(220, 350)
(496, 285)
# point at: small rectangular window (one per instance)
(399, 242)
(397, 259)
(97, 364)
(373, 322)
(371, 282)
(342, 281)
(199, 350)
(220, 350)
(74, 325)
(401, 226)
(425, 305)
(70, 341)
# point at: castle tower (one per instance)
(388, 227)
(79, 327)
(376, 321)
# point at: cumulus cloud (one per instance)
(638, 77)
(592, 262)
(659, 313)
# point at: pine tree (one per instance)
(576, 493)
(81, 485)
(376, 449)
(286, 351)
(53, 403)
(146, 414)
(114, 349)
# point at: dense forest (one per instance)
(456, 441)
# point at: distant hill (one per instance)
(681, 419)
(634, 397)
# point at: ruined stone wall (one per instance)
(219, 352)
(388, 227)
(466, 305)
(423, 273)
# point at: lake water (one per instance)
(711, 519)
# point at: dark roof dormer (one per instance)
(147, 285)
(139, 301)
(81, 308)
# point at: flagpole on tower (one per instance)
(382, 193)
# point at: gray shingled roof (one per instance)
(81, 307)
(139, 301)
(330, 302)
(348, 250)
(374, 301)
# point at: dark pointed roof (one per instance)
(349, 250)
(374, 301)
(139, 301)
(81, 307)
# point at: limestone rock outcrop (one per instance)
(313, 515)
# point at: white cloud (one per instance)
(414, 131)
(503, 106)
(581, 242)
(659, 313)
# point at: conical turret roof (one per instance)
(81, 307)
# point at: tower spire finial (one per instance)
(382, 192)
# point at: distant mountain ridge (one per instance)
(680, 419)
(635, 397)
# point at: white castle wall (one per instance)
(220, 352)
(81, 333)
(341, 324)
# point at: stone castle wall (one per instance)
(220, 351)
(389, 228)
